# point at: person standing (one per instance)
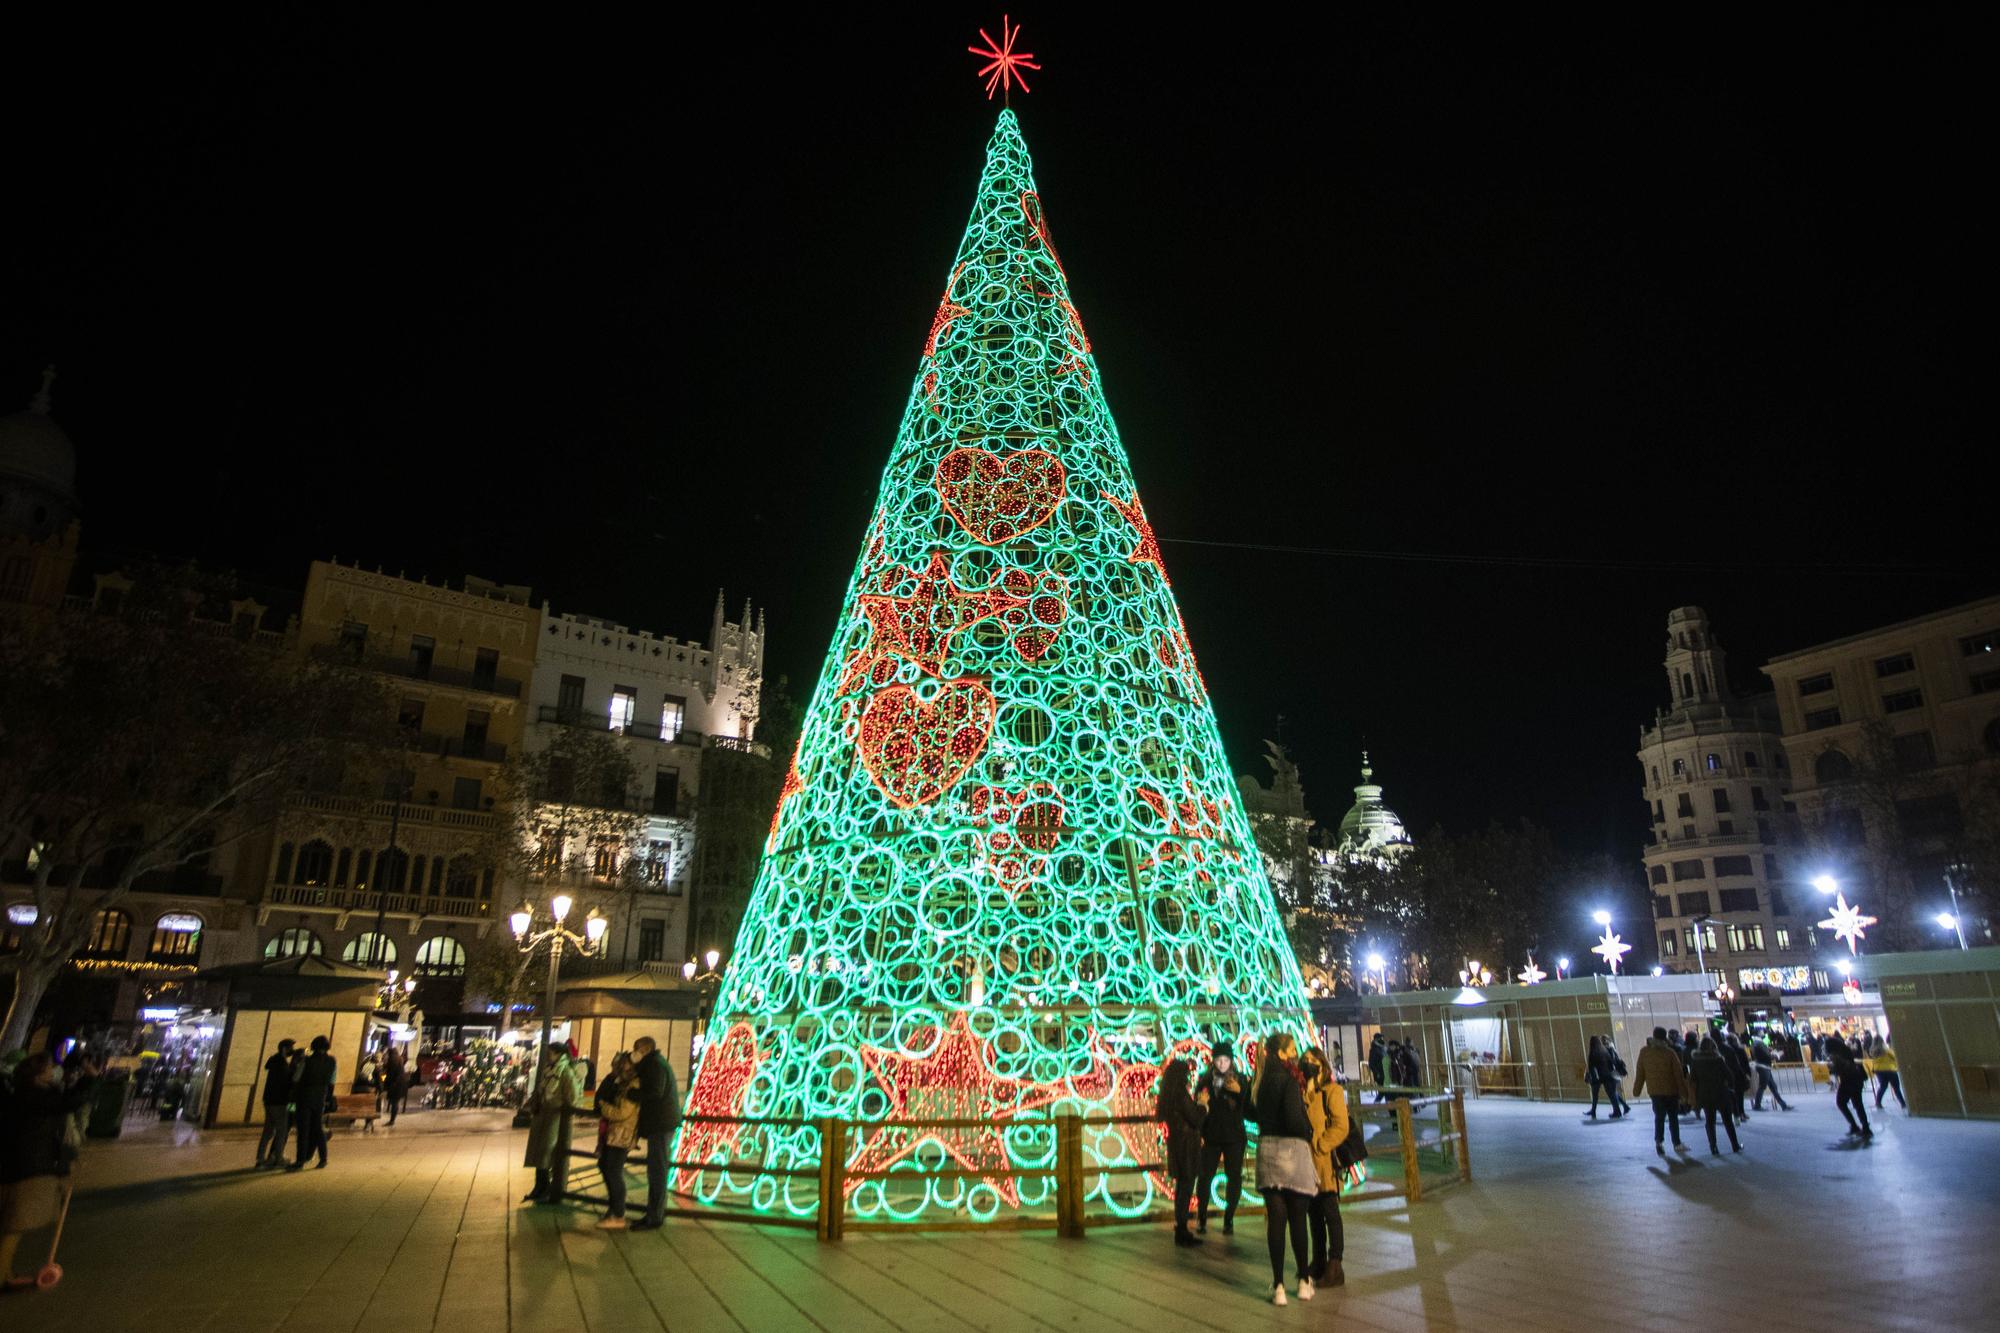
(311, 1091)
(1223, 1137)
(1849, 1079)
(395, 1082)
(1378, 1055)
(617, 1131)
(1714, 1084)
(1326, 1110)
(34, 1157)
(279, 1072)
(1409, 1067)
(558, 1093)
(1601, 1075)
(1182, 1115)
(1767, 1078)
(1738, 1061)
(659, 1117)
(1660, 1065)
(1887, 1077)
(1285, 1174)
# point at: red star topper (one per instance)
(1004, 64)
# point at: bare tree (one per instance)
(572, 821)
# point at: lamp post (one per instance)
(1562, 969)
(1380, 971)
(706, 981)
(1951, 920)
(556, 935)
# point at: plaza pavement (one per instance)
(1566, 1225)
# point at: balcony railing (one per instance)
(458, 747)
(413, 670)
(346, 898)
(441, 816)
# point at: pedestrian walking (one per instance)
(395, 1082)
(36, 1149)
(617, 1131)
(1326, 1110)
(557, 1095)
(1887, 1077)
(1714, 1084)
(659, 1117)
(1223, 1137)
(1378, 1056)
(1738, 1061)
(1182, 1113)
(1285, 1174)
(312, 1098)
(1761, 1061)
(279, 1073)
(1601, 1071)
(1409, 1067)
(1660, 1065)
(1849, 1079)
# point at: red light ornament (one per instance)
(1004, 64)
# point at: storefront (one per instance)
(300, 998)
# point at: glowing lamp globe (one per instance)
(712, 957)
(1826, 883)
(520, 919)
(1374, 962)
(1947, 920)
(687, 970)
(595, 925)
(1601, 917)
(560, 905)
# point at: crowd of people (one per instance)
(636, 1099)
(1306, 1144)
(1709, 1076)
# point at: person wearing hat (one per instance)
(1222, 1135)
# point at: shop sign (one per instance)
(1797, 977)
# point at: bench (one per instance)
(353, 1108)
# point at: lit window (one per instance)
(672, 716)
(1714, 762)
(441, 956)
(176, 938)
(293, 943)
(624, 703)
(370, 950)
(1783, 935)
(1667, 944)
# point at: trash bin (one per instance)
(108, 1103)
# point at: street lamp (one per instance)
(706, 981)
(1562, 969)
(1601, 917)
(1379, 968)
(1950, 921)
(556, 935)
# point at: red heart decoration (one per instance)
(916, 751)
(997, 497)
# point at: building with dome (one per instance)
(38, 505)
(1370, 830)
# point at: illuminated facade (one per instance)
(675, 704)
(1717, 786)
(1009, 874)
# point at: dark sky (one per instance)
(1683, 309)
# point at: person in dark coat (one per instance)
(659, 1117)
(1849, 1080)
(1223, 1137)
(1714, 1085)
(311, 1092)
(279, 1073)
(395, 1082)
(1378, 1056)
(1286, 1175)
(1182, 1115)
(1602, 1075)
(1767, 1080)
(33, 1156)
(1738, 1061)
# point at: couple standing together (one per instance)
(636, 1100)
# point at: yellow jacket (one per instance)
(1884, 1059)
(1326, 1111)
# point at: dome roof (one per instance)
(33, 448)
(1369, 825)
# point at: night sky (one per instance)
(1616, 318)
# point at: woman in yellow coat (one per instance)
(1326, 1110)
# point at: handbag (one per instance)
(1353, 1150)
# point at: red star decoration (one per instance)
(792, 787)
(1129, 1087)
(1004, 64)
(720, 1087)
(919, 625)
(948, 310)
(1194, 818)
(954, 1081)
(1147, 552)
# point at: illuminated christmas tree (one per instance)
(1008, 875)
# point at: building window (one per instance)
(1902, 701)
(1707, 937)
(1656, 775)
(1749, 759)
(1934, 818)
(410, 715)
(659, 861)
(461, 879)
(485, 667)
(1680, 767)
(1992, 736)
(477, 723)
(1821, 718)
(1757, 801)
(1783, 935)
(422, 649)
(1687, 685)
(673, 715)
(1973, 645)
(666, 791)
(1746, 939)
(1725, 827)
(1692, 904)
(1690, 870)
(1667, 944)
(1894, 666)
(176, 939)
(110, 934)
(1784, 762)
(353, 639)
(1721, 800)
(1732, 865)
(1659, 812)
(440, 956)
(1663, 906)
(652, 941)
(569, 700)
(604, 861)
(1763, 830)
(392, 870)
(370, 950)
(1686, 806)
(315, 864)
(1713, 763)
(465, 793)
(283, 873)
(1986, 682)
(1914, 751)
(1738, 900)
(1819, 684)
(1657, 874)
(1833, 766)
(624, 703)
(293, 943)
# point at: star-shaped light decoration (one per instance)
(1121, 1088)
(1532, 975)
(919, 625)
(1847, 923)
(1610, 948)
(1004, 64)
(726, 1067)
(1147, 552)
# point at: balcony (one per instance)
(354, 807)
(346, 898)
(645, 731)
(407, 669)
(457, 747)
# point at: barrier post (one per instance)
(1406, 1129)
(1464, 1144)
(1069, 1176)
(832, 1179)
